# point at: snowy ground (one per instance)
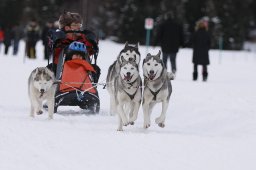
(209, 126)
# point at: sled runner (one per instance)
(76, 78)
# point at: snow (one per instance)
(210, 125)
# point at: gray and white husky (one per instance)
(157, 88)
(128, 53)
(127, 93)
(41, 87)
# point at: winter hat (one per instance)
(202, 25)
(67, 18)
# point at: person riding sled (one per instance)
(69, 31)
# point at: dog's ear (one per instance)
(126, 44)
(36, 71)
(49, 72)
(144, 60)
(137, 45)
(122, 59)
(117, 66)
(159, 54)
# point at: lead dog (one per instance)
(127, 93)
(128, 53)
(157, 88)
(41, 87)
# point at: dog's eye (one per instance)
(148, 64)
(127, 54)
(156, 64)
(48, 78)
(132, 68)
(36, 79)
(125, 68)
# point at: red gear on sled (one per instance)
(76, 76)
(82, 38)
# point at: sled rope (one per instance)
(95, 84)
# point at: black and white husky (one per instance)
(41, 87)
(128, 53)
(157, 88)
(127, 93)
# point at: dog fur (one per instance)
(127, 53)
(157, 88)
(41, 87)
(127, 93)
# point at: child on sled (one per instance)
(69, 31)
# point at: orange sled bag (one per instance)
(75, 76)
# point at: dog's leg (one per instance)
(112, 105)
(135, 111)
(40, 108)
(35, 107)
(120, 126)
(32, 110)
(120, 110)
(50, 103)
(161, 119)
(130, 107)
(146, 114)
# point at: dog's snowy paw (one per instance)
(146, 126)
(119, 129)
(50, 118)
(159, 120)
(39, 112)
(162, 125)
(170, 75)
(125, 122)
(131, 123)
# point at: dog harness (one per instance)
(154, 93)
(131, 95)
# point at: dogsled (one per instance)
(76, 78)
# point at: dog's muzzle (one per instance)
(151, 75)
(42, 92)
(128, 77)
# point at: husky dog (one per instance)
(157, 88)
(41, 87)
(127, 93)
(128, 53)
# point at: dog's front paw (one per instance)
(50, 116)
(159, 120)
(119, 129)
(125, 122)
(131, 123)
(39, 112)
(162, 125)
(147, 125)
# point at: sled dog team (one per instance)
(124, 85)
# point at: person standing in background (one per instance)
(1, 36)
(8, 36)
(17, 35)
(32, 36)
(170, 37)
(201, 44)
